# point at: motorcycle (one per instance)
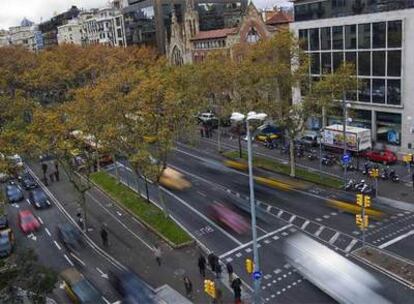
(327, 161)
(366, 169)
(384, 174)
(312, 156)
(393, 176)
(350, 185)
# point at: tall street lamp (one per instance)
(238, 117)
(345, 106)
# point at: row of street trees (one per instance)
(131, 102)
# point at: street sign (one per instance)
(346, 158)
(257, 275)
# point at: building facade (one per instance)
(26, 35)
(149, 22)
(190, 44)
(70, 33)
(378, 38)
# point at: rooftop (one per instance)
(220, 33)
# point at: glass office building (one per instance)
(377, 38)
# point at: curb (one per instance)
(148, 226)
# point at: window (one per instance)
(364, 89)
(394, 63)
(304, 41)
(337, 38)
(350, 57)
(364, 63)
(378, 35)
(394, 34)
(338, 58)
(394, 92)
(326, 63)
(314, 39)
(378, 63)
(326, 38)
(364, 36)
(315, 63)
(119, 32)
(378, 91)
(252, 36)
(389, 128)
(350, 36)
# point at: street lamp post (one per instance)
(320, 154)
(241, 117)
(345, 110)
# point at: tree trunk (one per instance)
(162, 202)
(324, 123)
(116, 169)
(146, 189)
(218, 137)
(292, 158)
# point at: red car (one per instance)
(386, 157)
(229, 218)
(27, 221)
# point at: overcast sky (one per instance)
(13, 11)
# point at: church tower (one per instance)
(191, 19)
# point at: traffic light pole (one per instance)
(253, 214)
(363, 222)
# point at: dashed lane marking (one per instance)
(77, 259)
(202, 194)
(40, 220)
(280, 213)
(69, 260)
(319, 231)
(350, 245)
(28, 201)
(292, 218)
(57, 245)
(48, 232)
(269, 207)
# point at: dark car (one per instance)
(70, 237)
(28, 182)
(14, 193)
(79, 289)
(39, 198)
(132, 288)
(6, 242)
(4, 223)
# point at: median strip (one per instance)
(147, 213)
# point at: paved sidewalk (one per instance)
(402, 191)
(132, 244)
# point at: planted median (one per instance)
(278, 167)
(146, 212)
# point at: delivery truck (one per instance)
(357, 139)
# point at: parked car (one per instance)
(205, 117)
(131, 288)
(27, 181)
(39, 199)
(386, 157)
(4, 222)
(14, 193)
(6, 242)
(70, 237)
(79, 289)
(27, 221)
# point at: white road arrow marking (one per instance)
(28, 201)
(119, 213)
(104, 275)
(16, 206)
(32, 236)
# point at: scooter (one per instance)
(350, 185)
(327, 161)
(384, 174)
(393, 176)
(358, 186)
(366, 169)
(312, 156)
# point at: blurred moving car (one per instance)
(79, 289)
(14, 193)
(174, 180)
(131, 287)
(39, 199)
(27, 221)
(334, 274)
(6, 242)
(70, 237)
(27, 181)
(386, 157)
(229, 218)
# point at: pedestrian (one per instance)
(56, 171)
(188, 287)
(201, 132)
(44, 169)
(51, 176)
(236, 285)
(157, 254)
(218, 270)
(202, 265)
(230, 271)
(104, 236)
(212, 262)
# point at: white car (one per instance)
(204, 117)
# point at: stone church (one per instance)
(188, 44)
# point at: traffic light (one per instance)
(374, 173)
(408, 158)
(249, 266)
(362, 223)
(210, 288)
(360, 199)
(367, 201)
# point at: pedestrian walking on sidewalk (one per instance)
(51, 176)
(230, 271)
(202, 265)
(212, 261)
(218, 270)
(56, 171)
(236, 286)
(157, 254)
(104, 236)
(202, 132)
(188, 287)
